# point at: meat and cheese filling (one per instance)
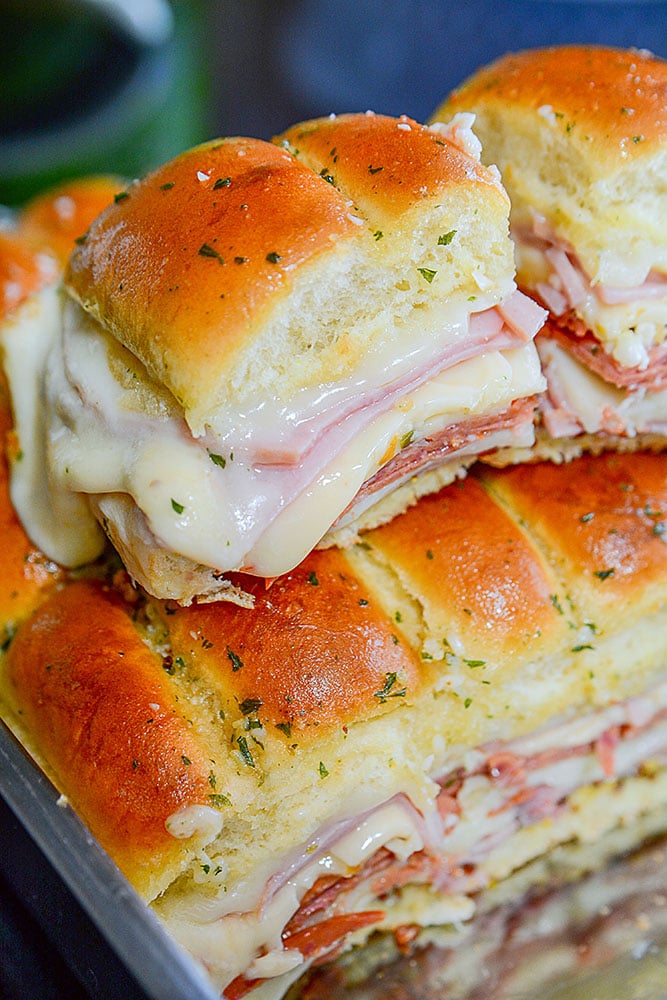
(579, 134)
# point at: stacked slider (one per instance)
(579, 134)
(264, 347)
(391, 730)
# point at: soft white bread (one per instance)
(263, 343)
(390, 730)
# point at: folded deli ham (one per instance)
(262, 347)
(390, 733)
(579, 134)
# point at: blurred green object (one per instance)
(98, 86)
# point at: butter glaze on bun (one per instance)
(265, 347)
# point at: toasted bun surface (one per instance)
(579, 134)
(102, 696)
(236, 269)
(611, 103)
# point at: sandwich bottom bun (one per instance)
(393, 737)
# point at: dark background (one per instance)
(77, 96)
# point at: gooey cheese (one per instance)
(259, 497)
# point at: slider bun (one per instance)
(506, 601)
(243, 267)
(579, 133)
(56, 218)
(22, 271)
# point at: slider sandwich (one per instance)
(264, 347)
(471, 700)
(579, 134)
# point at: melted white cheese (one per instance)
(249, 514)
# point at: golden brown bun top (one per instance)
(227, 248)
(181, 267)
(22, 271)
(482, 613)
(367, 156)
(613, 97)
(56, 218)
(103, 709)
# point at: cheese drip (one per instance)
(260, 497)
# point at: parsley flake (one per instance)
(206, 250)
(235, 659)
(323, 771)
(249, 705)
(218, 800)
(245, 751)
(178, 507)
(427, 274)
(387, 691)
(446, 238)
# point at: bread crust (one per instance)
(22, 271)
(388, 166)
(610, 101)
(101, 708)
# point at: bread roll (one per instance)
(390, 731)
(579, 134)
(55, 219)
(264, 346)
